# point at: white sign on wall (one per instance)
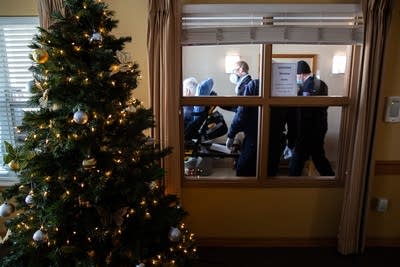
(284, 79)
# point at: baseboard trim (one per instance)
(382, 242)
(266, 242)
(288, 242)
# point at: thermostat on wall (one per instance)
(392, 109)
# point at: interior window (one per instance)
(301, 110)
(205, 135)
(209, 77)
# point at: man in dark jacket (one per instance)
(246, 121)
(282, 134)
(312, 125)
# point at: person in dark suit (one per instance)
(312, 125)
(246, 121)
(282, 135)
(240, 76)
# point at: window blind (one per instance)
(212, 24)
(15, 35)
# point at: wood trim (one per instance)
(296, 57)
(265, 242)
(265, 182)
(387, 167)
(288, 242)
(382, 242)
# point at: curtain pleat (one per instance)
(46, 8)
(164, 57)
(351, 237)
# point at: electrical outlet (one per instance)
(382, 204)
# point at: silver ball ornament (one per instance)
(96, 38)
(174, 234)
(29, 199)
(39, 236)
(80, 117)
(140, 265)
(6, 209)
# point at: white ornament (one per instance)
(125, 61)
(131, 109)
(56, 107)
(44, 99)
(80, 117)
(39, 236)
(29, 199)
(6, 209)
(140, 265)
(89, 163)
(96, 38)
(174, 234)
(154, 185)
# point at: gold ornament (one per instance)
(6, 237)
(40, 56)
(14, 165)
(91, 253)
(89, 163)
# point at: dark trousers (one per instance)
(247, 162)
(310, 146)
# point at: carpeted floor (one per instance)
(289, 257)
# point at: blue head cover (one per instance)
(204, 88)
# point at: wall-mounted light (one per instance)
(230, 61)
(338, 64)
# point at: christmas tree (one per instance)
(90, 189)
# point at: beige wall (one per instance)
(268, 212)
(132, 17)
(386, 225)
(18, 8)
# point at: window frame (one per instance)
(265, 101)
(346, 133)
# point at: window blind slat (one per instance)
(240, 35)
(15, 36)
(272, 23)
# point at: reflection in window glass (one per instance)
(303, 141)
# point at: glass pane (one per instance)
(214, 69)
(303, 141)
(329, 63)
(207, 155)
